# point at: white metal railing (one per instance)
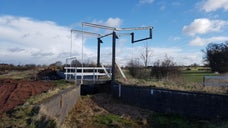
(86, 72)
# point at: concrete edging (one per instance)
(57, 107)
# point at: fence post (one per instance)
(203, 80)
(97, 74)
(93, 74)
(66, 73)
(76, 75)
(119, 90)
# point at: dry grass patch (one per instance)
(102, 111)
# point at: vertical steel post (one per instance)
(132, 37)
(98, 51)
(113, 55)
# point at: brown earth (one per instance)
(89, 109)
(15, 92)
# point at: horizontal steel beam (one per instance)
(101, 36)
(141, 40)
(70, 58)
(135, 28)
(134, 41)
(114, 28)
(124, 34)
(98, 26)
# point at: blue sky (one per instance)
(38, 31)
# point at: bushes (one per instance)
(216, 56)
(160, 69)
(164, 69)
(137, 71)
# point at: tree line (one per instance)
(216, 57)
(7, 67)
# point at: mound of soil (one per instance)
(48, 74)
(16, 92)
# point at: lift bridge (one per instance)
(86, 73)
(95, 73)
(89, 73)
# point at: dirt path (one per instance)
(15, 92)
(102, 111)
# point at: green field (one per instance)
(196, 76)
(188, 79)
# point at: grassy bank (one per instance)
(25, 116)
(187, 80)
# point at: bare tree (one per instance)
(76, 63)
(146, 54)
(165, 68)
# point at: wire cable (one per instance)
(82, 53)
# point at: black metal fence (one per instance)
(194, 104)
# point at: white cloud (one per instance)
(174, 38)
(112, 22)
(179, 56)
(203, 26)
(25, 40)
(213, 5)
(197, 42)
(146, 1)
(204, 41)
(125, 53)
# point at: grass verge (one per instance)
(187, 81)
(112, 120)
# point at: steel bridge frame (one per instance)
(114, 35)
